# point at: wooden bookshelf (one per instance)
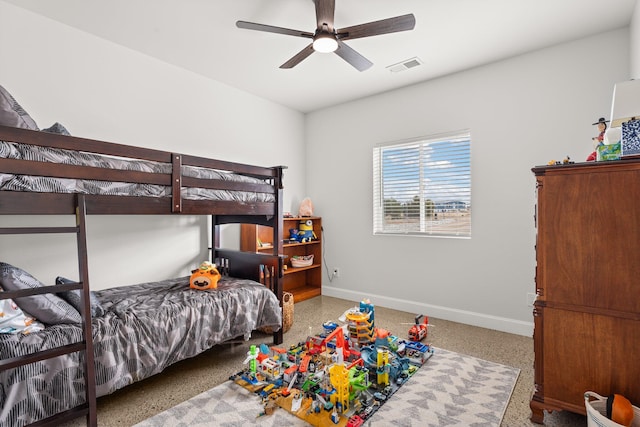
(302, 282)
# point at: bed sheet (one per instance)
(146, 328)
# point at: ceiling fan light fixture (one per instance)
(326, 38)
(325, 43)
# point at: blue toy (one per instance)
(304, 232)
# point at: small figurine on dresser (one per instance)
(598, 140)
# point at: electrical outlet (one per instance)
(531, 298)
(336, 272)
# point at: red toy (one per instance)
(418, 332)
(355, 421)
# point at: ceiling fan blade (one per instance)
(358, 61)
(325, 11)
(384, 26)
(299, 57)
(271, 29)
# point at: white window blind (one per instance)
(423, 186)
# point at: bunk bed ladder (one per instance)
(89, 408)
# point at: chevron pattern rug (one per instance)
(451, 389)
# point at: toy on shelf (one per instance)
(565, 161)
(340, 376)
(304, 233)
(204, 277)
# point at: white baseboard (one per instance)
(481, 320)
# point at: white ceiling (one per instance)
(450, 36)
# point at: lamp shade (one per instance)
(626, 102)
(325, 43)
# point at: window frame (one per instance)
(457, 157)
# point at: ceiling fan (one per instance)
(327, 38)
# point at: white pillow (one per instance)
(14, 321)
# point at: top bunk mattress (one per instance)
(46, 184)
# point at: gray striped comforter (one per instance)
(146, 328)
(11, 182)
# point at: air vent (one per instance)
(405, 65)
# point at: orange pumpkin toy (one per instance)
(620, 410)
(205, 277)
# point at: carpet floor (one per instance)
(451, 389)
(188, 378)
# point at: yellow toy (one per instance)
(205, 277)
(305, 231)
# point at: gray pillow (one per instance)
(48, 308)
(57, 128)
(74, 298)
(12, 114)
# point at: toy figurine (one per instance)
(204, 277)
(418, 332)
(252, 355)
(304, 232)
(598, 140)
(566, 161)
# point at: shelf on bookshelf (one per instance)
(291, 270)
(290, 245)
(302, 282)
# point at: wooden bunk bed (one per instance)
(178, 184)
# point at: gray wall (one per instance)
(101, 90)
(522, 112)
(635, 42)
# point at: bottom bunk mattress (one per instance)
(144, 329)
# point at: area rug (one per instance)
(451, 389)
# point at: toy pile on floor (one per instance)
(339, 377)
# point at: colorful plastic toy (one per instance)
(418, 332)
(339, 377)
(252, 355)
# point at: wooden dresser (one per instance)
(587, 313)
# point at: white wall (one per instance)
(522, 112)
(635, 42)
(101, 90)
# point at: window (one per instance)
(423, 186)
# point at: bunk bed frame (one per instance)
(264, 268)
